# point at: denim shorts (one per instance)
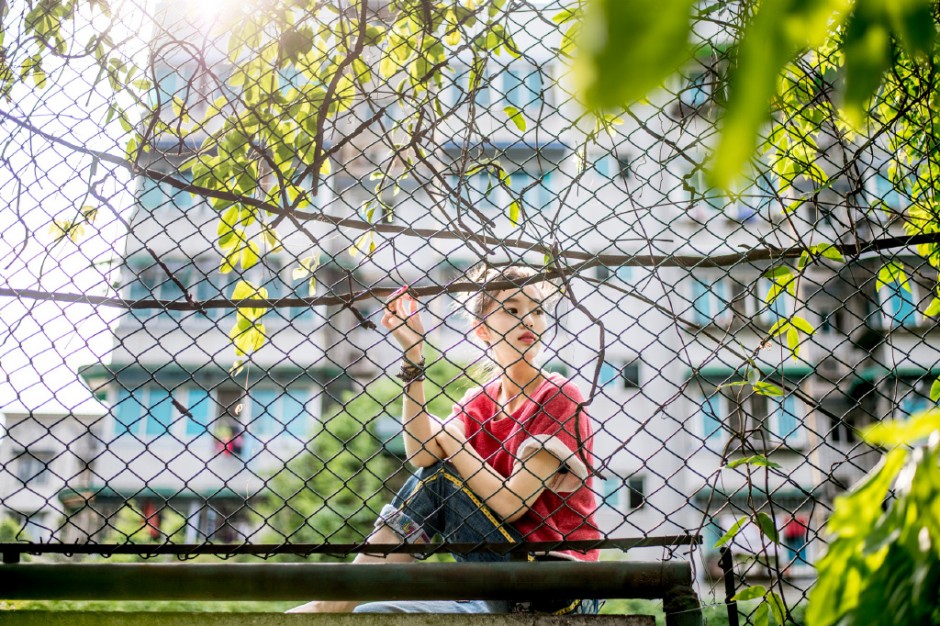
(436, 501)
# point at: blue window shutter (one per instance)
(179, 198)
(169, 290)
(902, 307)
(701, 303)
(609, 373)
(612, 489)
(711, 421)
(513, 88)
(545, 191)
(127, 412)
(150, 194)
(534, 91)
(264, 409)
(787, 420)
(207, 290)
(301, 313)
(160, 413)
(295, 415)
(199, 405)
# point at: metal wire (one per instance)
(175, 382)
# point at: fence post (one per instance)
(727, 566)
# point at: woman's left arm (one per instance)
(509, 497)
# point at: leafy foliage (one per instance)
(882, 565)
(340, 476)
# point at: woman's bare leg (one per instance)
(383, 534)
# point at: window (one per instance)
(709, 301)
(696, 91)
(636, 487)
(482, 191)
(535, 189)
(700, 193)
(785, 422)
(152, 282)
(166, 88)
(915, 398)
(630, 373)
(609, 373)
(457, 88)
(886, 195)
(129, 410)
(522, 86)
(150, 194)
(301, 289)
(33, 467)
(198, 403)
(757, 199)
(710, 408)
(781, 308)
(149, 412)
(899, 303)
(275, 412)
(160, 413)
(611, 495)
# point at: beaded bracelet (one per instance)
(410, 372)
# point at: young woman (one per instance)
(506, 467)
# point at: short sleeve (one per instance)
(553, 428)
(463, 407)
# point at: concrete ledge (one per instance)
(119, 618)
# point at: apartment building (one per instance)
(666, 342)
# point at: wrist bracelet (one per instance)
(410, 372)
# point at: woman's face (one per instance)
(515, 325)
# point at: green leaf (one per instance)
(775, 35)
(776, 605)
(828, 251)
(645, 41)
(758, 460)
(803, 261)
(904, 432)
(246, 291)
(773, 293)
(728, 536)
(767, 389)
(515, 115)
(364, 244)
(750, 593)
(250, 256)
(933, 308)
(891, 273)
(935, 391)
(802, 325)
(762, 615)
(866, 49)
(778, 327)
(793, 341)
(515, 212)
(766, 524)
(778, 272)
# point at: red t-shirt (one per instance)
(565, 509)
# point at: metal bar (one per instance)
(727, 566)
(344, 548)
(334, 581)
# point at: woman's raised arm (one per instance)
(403, 321)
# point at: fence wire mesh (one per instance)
(206, 207)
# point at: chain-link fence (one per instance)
(716, 352)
